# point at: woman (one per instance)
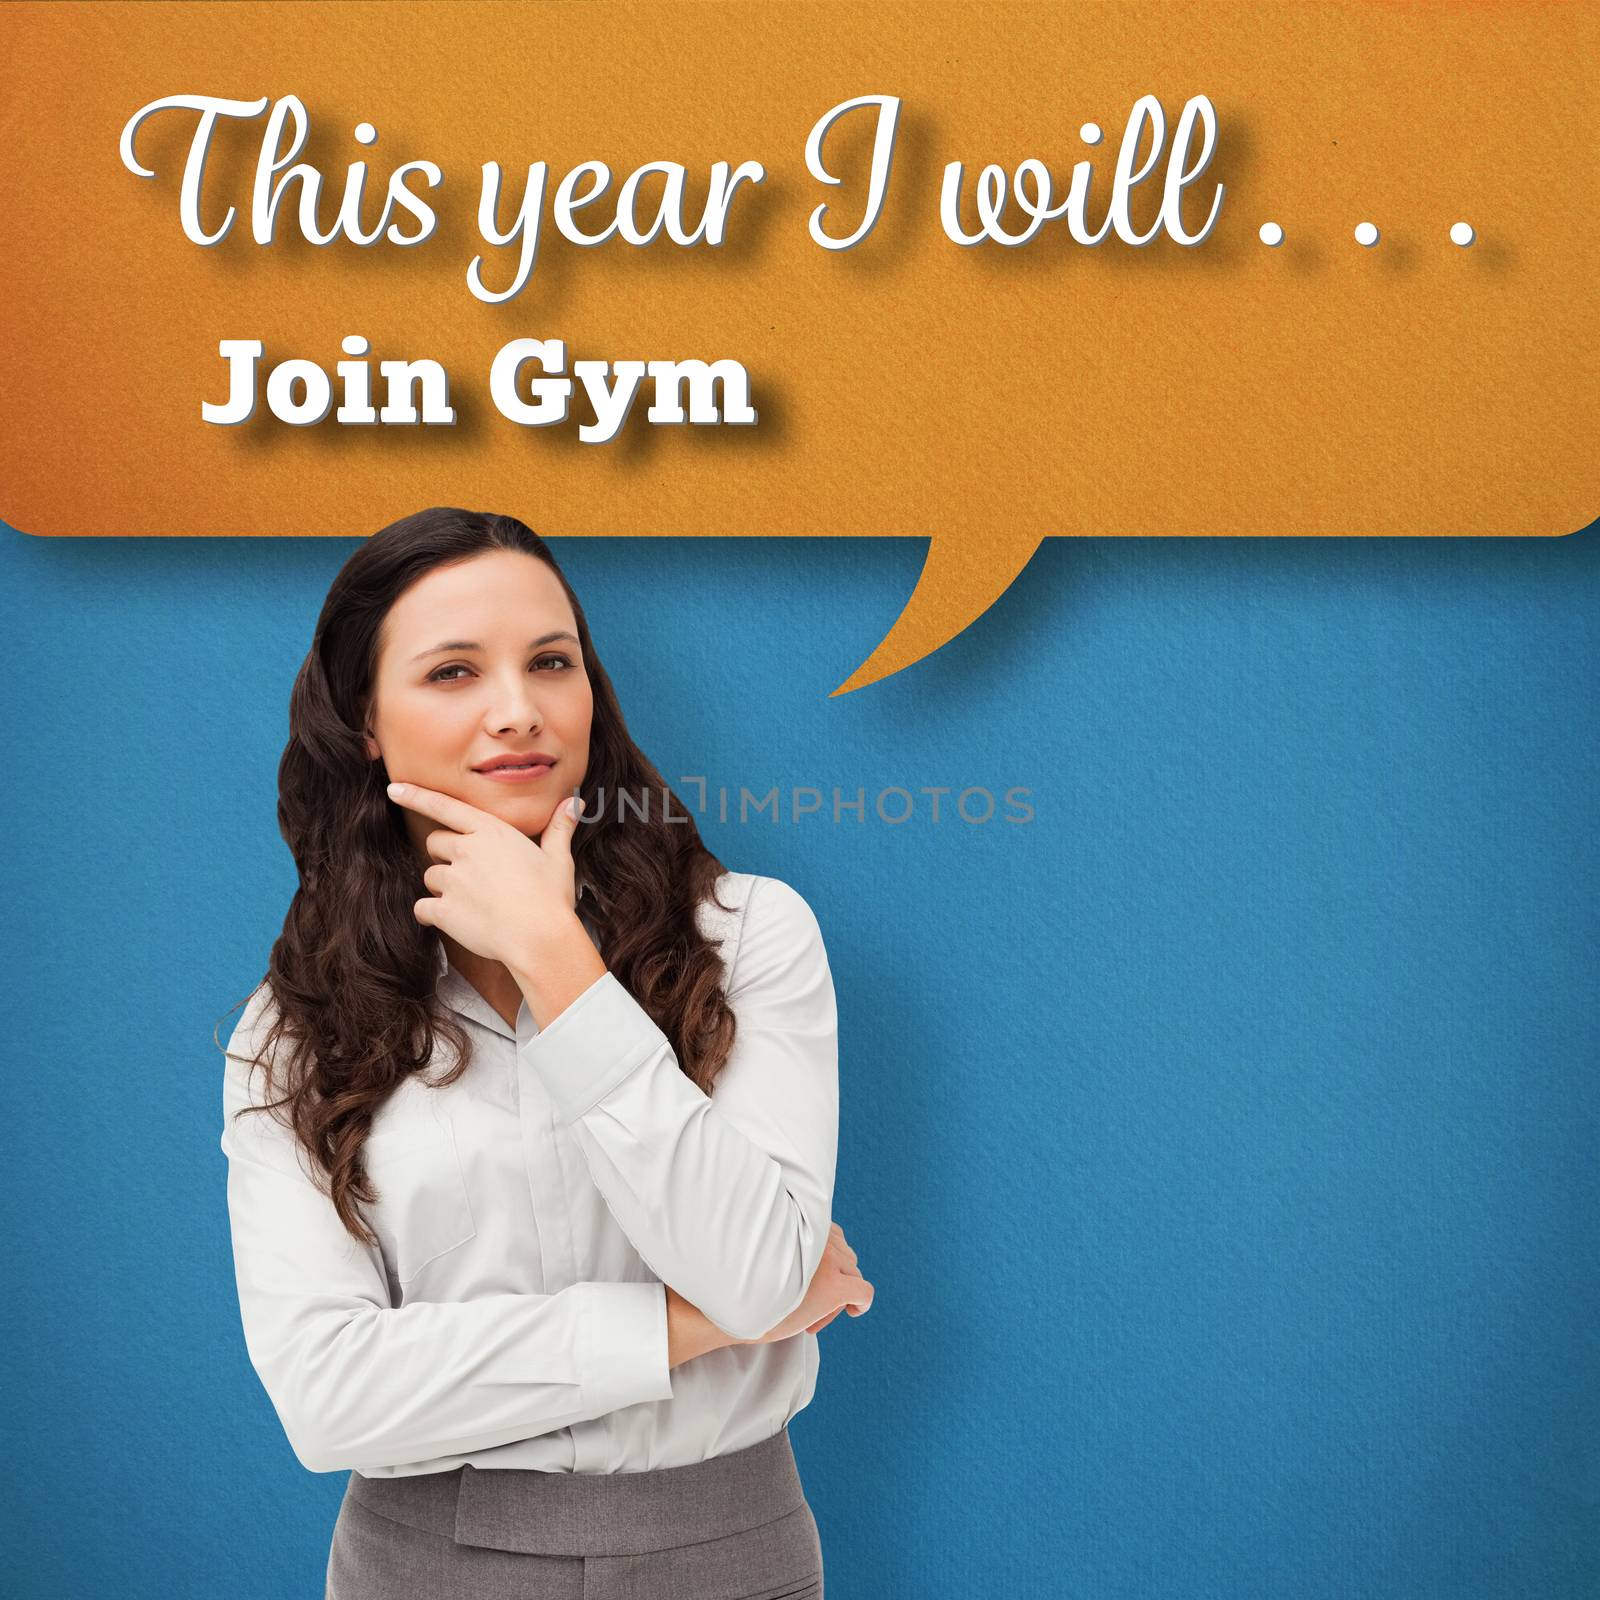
(550, 1294)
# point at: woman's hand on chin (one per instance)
(494, 890)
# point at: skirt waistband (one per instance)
(594, 1513)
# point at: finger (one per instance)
(558, 831)
(445, 808)
(423, 911)
(434, 877)
(859, 1303)
(442, 844)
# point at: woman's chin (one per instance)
(527, 813)
(526, 806)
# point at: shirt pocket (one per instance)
(423, 1210)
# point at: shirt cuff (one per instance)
(624, 1344)
(601, 1037)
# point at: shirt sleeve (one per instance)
(359, 1383)
(727, 1197)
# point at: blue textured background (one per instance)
(1222, 1143)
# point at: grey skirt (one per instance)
(734, 1527)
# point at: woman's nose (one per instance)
(515, 702)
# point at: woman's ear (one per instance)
(371, 744)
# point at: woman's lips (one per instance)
(517, 774)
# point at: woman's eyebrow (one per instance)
(467, 644)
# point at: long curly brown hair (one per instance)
(352, 976)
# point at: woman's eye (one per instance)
(438, 675)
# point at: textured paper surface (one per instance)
(908, 386)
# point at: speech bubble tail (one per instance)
(960, 580)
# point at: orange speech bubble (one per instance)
(1059, 313)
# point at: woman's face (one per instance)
(509, 681)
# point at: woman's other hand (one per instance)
(837, 1285)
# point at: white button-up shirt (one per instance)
(514, 1314)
